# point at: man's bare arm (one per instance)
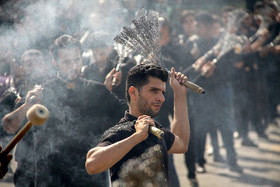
(100, 159)
(180, 124)
(12, 121)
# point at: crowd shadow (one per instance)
(263, 169)
(265, 151)
(259, 160)
(249, 179)
(273, 141)
(275, 133)
(265, 166)
(246, 178)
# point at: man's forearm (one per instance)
(12, 121)
(100, 159)
(180, 125)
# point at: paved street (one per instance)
(261, 165)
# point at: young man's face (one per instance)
(151, 97)
(189, 25)
(164, 35)
(69, 63)
(201, 30)
(216, 29)
(204, 30)
(101, 55)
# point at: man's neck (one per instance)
(133, 112)
(70, 84)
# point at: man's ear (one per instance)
(133, 92)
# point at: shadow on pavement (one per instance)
(264, 160)
(252, 180)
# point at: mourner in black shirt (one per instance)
(145, 89)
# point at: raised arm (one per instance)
(12, 121)
(180, 124)
(110, 77)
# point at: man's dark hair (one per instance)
(185, 14)
(204, 18)
(138, 76)
(29, 53)
(64, 42)
(258, 4)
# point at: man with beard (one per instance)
(53, 154)
(145, 89)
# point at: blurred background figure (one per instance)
(187, 42)
(97, 61)
(217, 119)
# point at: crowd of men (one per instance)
(70, 68)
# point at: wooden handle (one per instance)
(17, 138)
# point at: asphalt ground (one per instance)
(261, 165)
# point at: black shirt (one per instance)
(124, 129)
(78, 117)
